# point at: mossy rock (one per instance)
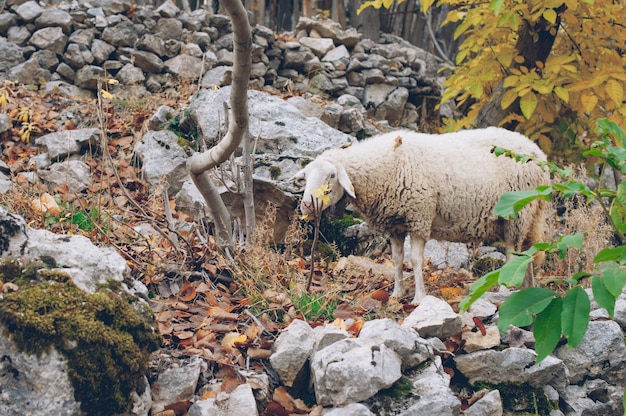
(106, 341)
(485, 265)
(521, 397)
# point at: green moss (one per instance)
(399, 389)
(485, 265)
(274, 172)
(333, 230)
(106, 341)
(520, 397)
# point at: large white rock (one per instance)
(434, 318)
(349, 372)
(292, 350)
(239, 402)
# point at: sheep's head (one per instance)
(326, 183)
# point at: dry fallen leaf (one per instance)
(232, 338)
(187, 292)
(381, 295)
(46, 203)
(340, 323)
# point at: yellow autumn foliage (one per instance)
(581, 81)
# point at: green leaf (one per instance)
(528, 104)
(478, 288)
(569, 240)
(513, 272)
(520, 308)
(602, 296)
(496, 5)
(547, 329)
(614, 279)
(562, 93)
(575, 315)
(513, 202)
(610, 254)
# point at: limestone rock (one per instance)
(291, 351)
(335, 368)
(433, 318)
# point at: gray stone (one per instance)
(29, 72)
(89, 76)
(169, 28)
(18, 35)
(327, 335)
(168, 9)
(162, 157)
(319, 46)
(101, 50)
(217, 77)
(7, 20)
(475, 340)
(51, 38)
(5, 123)
(78, 55)
(55, 17)
(34, 385)
(327, 28)
(352, 409)
(433, 318)
(88, 265)
(83, 36)
(271, 119)
(510, 365)
(291, 351)
(73, 173)
(336, 54)
(130, 75)
(152, 43)
(122, 34)
(176, 384)
(185, 66)
(444, 254)
(29, 11)
(489, 405)
(335, 368)
(601, 354)
(404, 341)
(68, 142)
(10, 56)
(432, 386)
(239, 402)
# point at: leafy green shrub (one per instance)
(565, 314)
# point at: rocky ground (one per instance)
(244, 336)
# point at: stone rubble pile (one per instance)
(77, 46)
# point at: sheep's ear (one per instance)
(345, 182)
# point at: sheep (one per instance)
(431, 186)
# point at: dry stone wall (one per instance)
(75, 46)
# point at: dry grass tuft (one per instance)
(570, 216)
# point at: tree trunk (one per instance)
(368, 22)
(534, 43)
(199, 163)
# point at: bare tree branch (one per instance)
(199, 163)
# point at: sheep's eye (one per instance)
(332, 176)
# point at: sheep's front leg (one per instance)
(417, 260)
(397, 255)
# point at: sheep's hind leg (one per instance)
(397, 255)
(417, 260)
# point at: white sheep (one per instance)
(431, 186)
